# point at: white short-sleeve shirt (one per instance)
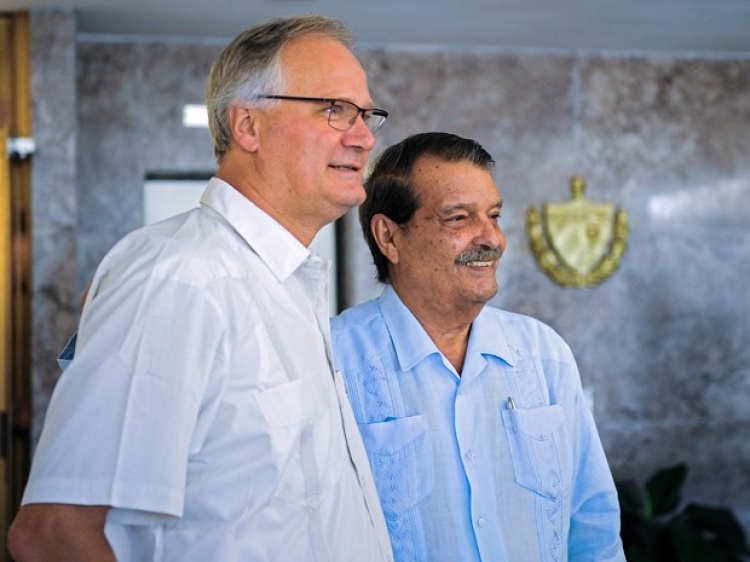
(201, 404)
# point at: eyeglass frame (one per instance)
(365, 113)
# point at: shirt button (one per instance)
(470, 455)
(481, 522)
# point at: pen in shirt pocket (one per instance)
(511, 407)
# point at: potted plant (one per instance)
(657, 528)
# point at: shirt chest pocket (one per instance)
(536, 448)
(401, 459)
(298, 419)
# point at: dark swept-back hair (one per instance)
(389, 186)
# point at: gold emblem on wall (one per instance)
(578, 243)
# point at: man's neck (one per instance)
(448, 329)
(255, 191)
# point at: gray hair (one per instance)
(251, 65)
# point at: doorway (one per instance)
(15, 263)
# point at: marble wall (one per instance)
(54, 220)
(662, 345)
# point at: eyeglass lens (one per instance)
(343, 114)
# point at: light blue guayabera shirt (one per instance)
(502, 463)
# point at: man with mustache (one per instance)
(474, 419)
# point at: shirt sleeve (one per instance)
(595, 512)
(120, 422)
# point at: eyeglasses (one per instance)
(342, 114)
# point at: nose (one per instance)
(490, 234)
(359, 135)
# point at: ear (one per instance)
(385, 231)
(244, 125)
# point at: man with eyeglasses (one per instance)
(200, 419)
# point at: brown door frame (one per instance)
(15, 264)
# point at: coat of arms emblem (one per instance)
(578, 243)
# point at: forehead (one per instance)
(440, 184)
(319, 63)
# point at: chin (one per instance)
(350, 191)
(487, 295)
(339, 208)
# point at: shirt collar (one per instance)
(413, 344)
(275, 245)
(489, 337)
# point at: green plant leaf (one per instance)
(646, 541)
(664, 488)
(692, 549)
(697, 533)
(718, 525)
(695, 545)
(630, 498)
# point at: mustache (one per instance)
(479, 254)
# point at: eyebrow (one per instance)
(465, 207)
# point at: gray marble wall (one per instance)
(54, 221)
(662, 345)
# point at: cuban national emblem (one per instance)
(578, 243)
